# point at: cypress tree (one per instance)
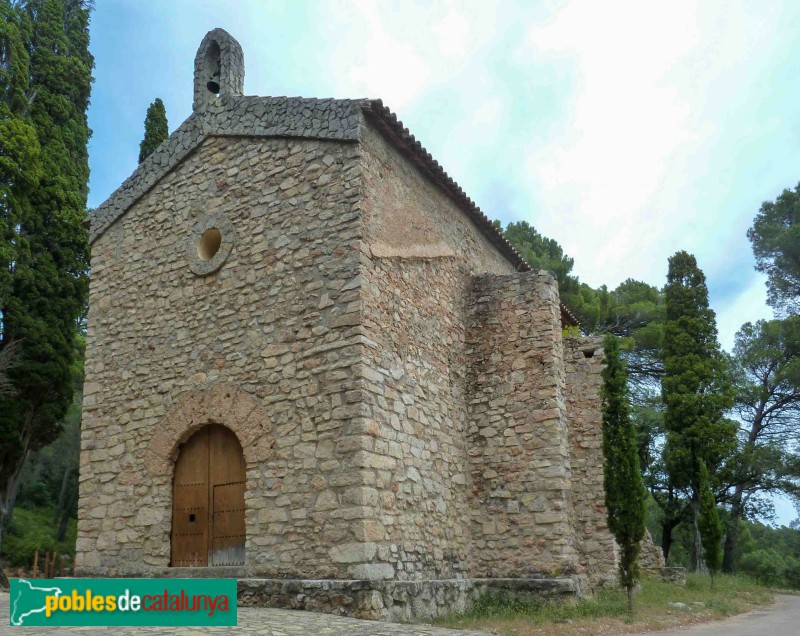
(710, 525)
(156, 129)
(625, 494)
(49, 281)
(695, 388)
(20, 164)
(20, 170)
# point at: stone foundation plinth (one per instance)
(399, 601)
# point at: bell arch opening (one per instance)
(213, 68)
(218, 69)
(209, 480)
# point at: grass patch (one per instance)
(31, 530)
(605, 613)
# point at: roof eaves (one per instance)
(567, 317)
(390, 125)
(388, 122)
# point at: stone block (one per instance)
(353, 552)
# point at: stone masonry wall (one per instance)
(277, 321)
(232, 116)
(421, 250)
(521, 515)
(583, 358)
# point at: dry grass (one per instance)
(605, 614)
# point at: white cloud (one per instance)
(747, 306)
(487, 113)
(626, 123)
(402, 52)
(453, 32)
(392, 68)
(636, 139)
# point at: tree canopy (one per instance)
(634, 310)
(775, 237)
(766, 378)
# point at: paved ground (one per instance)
(252, 622)
(781, 619)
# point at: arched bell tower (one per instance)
(218, 68)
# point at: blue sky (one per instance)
(624, 130)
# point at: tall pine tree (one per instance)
(156, 129)
(624, 489)
(49, 277)
(695, 388)
(766, 373)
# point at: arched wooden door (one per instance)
(208, 500)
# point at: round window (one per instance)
(209, 244)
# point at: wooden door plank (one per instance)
(192, 464)
(190, 503)
(227, 458)
(228, 478)
(227, 546)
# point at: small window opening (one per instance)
(209, 244)
(191, 518)
(588, 353)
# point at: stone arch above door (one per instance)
(220, 404)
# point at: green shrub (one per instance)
(792, 572)
(32, 530)
(765, 566)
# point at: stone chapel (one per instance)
(314, 364)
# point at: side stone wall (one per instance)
(520, 506)
(598, 550)
(420, 250)
(277, 322)
(651, 558)
(400, 601)
(583, 359)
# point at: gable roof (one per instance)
(231, 116)
(388, 123)
(332, 119)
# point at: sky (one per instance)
(626, 131)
